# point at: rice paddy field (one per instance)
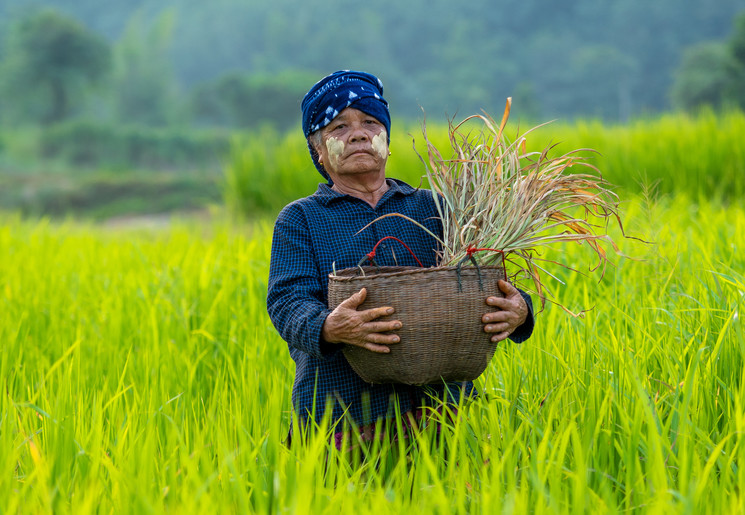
(141, 374)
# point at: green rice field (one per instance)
(140, 372)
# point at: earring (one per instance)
(390, 153)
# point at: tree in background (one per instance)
(713, 73)
(736, 69)
(702, 78)
(447, 57)
(526, 107)
(252, 100)
(50, 64)
(144, 88)
(604, 78)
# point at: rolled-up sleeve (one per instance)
(523, 332)
(295, 295)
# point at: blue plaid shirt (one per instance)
(313, 234)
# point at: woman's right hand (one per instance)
(346, 324)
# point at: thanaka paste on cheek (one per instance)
(380, 144)
(335, 148)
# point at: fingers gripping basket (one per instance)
(440, 309)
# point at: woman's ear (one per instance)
(316, 139)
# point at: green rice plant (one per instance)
(701, 156)
(267, 171)
(140, 373)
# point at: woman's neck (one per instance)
(370, 192)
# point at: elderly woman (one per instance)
(347, 125)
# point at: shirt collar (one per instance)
(325, 195)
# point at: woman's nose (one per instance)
(358, 133)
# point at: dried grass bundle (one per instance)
(500, 202)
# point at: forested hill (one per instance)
(575, 57)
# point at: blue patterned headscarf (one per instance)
(332, 94)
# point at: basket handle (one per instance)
(371, 254)
(469, 256)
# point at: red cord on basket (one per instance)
(371, 255)
(472, 250)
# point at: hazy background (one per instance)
(130, 85)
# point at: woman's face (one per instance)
(354, 143)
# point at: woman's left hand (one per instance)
(511, 314)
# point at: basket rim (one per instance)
(401, 271)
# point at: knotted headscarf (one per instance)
(342, 89)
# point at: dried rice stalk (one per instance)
(495, 195)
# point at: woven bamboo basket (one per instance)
(440, 309)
